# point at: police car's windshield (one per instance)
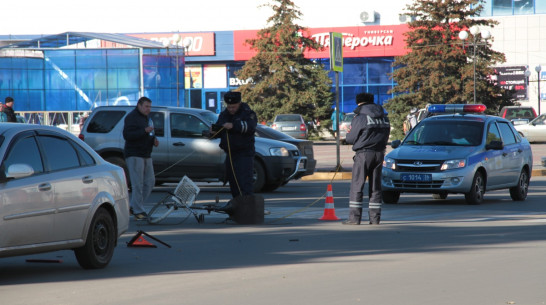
(446, 132)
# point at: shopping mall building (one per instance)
(76, 71)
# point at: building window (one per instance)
(511, 7)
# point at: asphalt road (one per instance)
(425, 252)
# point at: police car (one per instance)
(458, 150)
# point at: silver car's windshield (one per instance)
(446, 132)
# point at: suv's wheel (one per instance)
(100, 242)
(258, 175)
(121, 163)
(390, 196)
(519, 192)
(477, 190)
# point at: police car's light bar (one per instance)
(457, 108)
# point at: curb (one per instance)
(348, 175)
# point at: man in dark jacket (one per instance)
(370, 129)
(8, 110)
(238, 123)
(140, 139)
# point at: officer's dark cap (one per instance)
(364, 98)
(232, 97)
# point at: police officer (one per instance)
(238, 123)
(370, 129)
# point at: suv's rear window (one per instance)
(104, 121)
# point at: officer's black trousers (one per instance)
(243, 165)
(367, 164)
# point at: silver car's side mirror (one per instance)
(19, 170)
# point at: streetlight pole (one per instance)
(485, 34)
(538, 68)
(176, 39)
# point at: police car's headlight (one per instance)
(279, 152)
(389, 163)
(452, 164)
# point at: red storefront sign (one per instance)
(358, 41)
(201, 44)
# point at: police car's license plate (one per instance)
(416, 177)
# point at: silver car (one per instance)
(458, 153)
(56, 193)
(291, 124)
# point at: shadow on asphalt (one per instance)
(213, 246)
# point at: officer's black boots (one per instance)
(355, 215)
(375, 216)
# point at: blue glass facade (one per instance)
(78, 80)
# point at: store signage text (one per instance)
(350, 41)
(200, 44)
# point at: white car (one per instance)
(534, 131)
(56, 193)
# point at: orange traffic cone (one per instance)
(329, 211)
(139, 241)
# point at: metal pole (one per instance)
(177, 81)
(538, 93)
(338, 166)
(474, 61)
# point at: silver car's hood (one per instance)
(436, 152)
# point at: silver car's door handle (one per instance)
(179, 144)
(44, 187)
(87, 179)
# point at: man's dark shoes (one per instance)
(349, 222)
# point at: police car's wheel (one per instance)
(439, 196)
(390, 196)
(475, 196)
(519, 192)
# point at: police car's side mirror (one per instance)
(395, 143)
(496, 145)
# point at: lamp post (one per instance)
(176, 39)
(538, 68)
(476, 41)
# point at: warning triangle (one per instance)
(139, 241)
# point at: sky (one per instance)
(140, 16)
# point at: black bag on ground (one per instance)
(246, 209)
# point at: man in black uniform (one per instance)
(237, 140)
(370, 129)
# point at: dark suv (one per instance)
(518, 114)
(183, 150)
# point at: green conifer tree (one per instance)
(282, 80)
(439, 69)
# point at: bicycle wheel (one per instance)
(160, 211)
